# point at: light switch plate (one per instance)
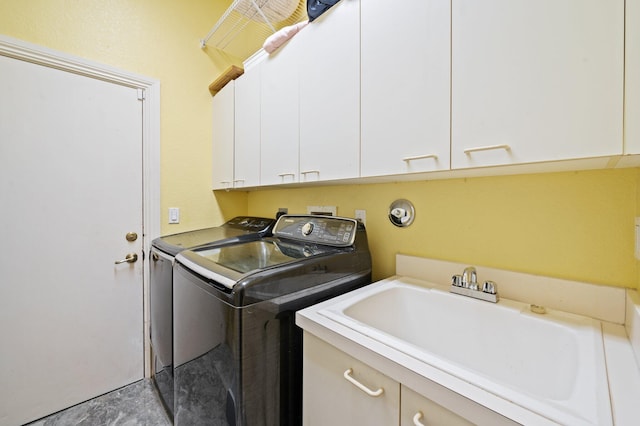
(174, 215)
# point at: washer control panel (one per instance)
(327, 230)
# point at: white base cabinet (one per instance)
(535, 80)
(329, 399)
(341, 390)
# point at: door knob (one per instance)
(130, 258)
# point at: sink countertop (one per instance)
(622, 368)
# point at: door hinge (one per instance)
(141, 94)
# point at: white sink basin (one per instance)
(552, 364)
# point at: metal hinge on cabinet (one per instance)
(141, 94)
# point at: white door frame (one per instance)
(24, 51)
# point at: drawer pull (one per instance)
(420, 157)
(363, 388)
(487, 148)
(286, 174)
(417, 418)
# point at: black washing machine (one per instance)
(237, 351)
(163, 252)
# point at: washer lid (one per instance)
(237, 229)
(226, 265)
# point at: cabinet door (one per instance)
(329, 399)
(405, 86)
(330, 94)
(279, 134)
(247, 129)
(418, 410)
(536, 80)
(223, 127)
(632, 78)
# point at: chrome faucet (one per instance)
(467, 285)
(470, 278)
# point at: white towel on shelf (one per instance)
(274, 41)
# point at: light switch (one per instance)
(174, 215)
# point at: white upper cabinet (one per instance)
(247, 129)
(279, 121)
(536, 80)
(330, 94)
(405, 86)
(632, 78)
(223, 128)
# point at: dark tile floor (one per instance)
(133, 405)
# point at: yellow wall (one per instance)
(573, 225)
(158, 39)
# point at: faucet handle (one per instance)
(490, 287)
(456, 280)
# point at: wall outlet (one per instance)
(174, 215)
(361, 216)
(325, 210)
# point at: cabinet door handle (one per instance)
(363, 388)
(309, 172)
(284, 175)
(416, 419)
(420, 157)
(487, 148)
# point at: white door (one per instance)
(71, 320)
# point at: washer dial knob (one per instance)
(307, 228)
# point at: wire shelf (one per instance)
(245, 25)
